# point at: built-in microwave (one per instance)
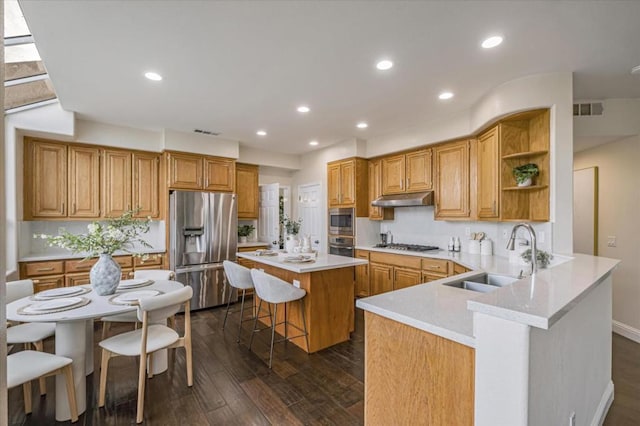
(341, 221)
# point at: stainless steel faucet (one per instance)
(511, 245)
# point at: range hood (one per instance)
(405, 200)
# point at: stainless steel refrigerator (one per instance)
(203, 234)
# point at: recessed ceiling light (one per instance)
(153, 76)
(492, 42)
(261, 133)
(303, 108)
(384, 65)
(445, 95)
(635, 70)
(362, 125)
(313, 143)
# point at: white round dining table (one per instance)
(74, 338)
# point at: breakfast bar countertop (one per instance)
(320, 263)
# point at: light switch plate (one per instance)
(611, 241)
(296, 283)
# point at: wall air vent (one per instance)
(590, 108)
(206, 132)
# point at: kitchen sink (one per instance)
(484, 283)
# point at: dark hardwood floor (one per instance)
(233, 386)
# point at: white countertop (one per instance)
(61, 256)
(253, 244)
(448, 311)
(322, 262)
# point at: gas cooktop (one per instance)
(407, 247)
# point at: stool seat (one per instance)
(238, 277)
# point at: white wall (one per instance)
(269, 159)
(118, 136)
(619, 204)
(619, 118)
(200, 144)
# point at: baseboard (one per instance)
(626, 331)
(603, 406)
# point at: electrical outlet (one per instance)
(61, 230)
(541, 237)
(572, 419)
(611, 241)
(296, 283)
(467, 231)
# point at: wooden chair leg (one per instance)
(171, 322)
(189, 356)
(71, 393)
(105, 329)
(26, 390)
(150, 367)
(43, 382)
(142, 374)
(104, 365)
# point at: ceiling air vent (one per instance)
(206, 132)
(591, 108)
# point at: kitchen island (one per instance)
(329, 310)
(535, 352)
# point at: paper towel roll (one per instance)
(474, 247)
(486, 247)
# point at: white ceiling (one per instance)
(236, 67)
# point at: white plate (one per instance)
(51, 305)
(63, 291)
(133, 283)
(134, 296)
(299, 259)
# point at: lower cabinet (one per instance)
(405, 277)
(362, 275)
(47, 283)
(380, 278)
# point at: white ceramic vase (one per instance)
(525, 183)
(242, 240)
(291, 243)
(105, 275)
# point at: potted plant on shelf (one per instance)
(524, 173)
(244, 231)
(103, 240)
(292, 228)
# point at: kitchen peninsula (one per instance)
(329, 283)
(535, 352)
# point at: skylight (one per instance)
(26, 82)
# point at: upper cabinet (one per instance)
(488, 161)
(347, 185)
(84, 182)
(45, 179)
(117, 182)
(248, 191)
(409, 172)
(375, 191)
(452, 168)
(191, 171)
(146, 184)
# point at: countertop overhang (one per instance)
(322, 262)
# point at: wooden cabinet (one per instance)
(45, 179)
(347, 185)
(375, 191)
(362, 275)
(84, 182)
(117, 182)
(401, 271)
(189, 171)
(145, 191)
(488, 183)
(405, 277)
(36, 269)
(452, 169)
(47, 283)
(247, 190)
(381, 278)
(409, 172)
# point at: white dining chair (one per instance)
(32, 333)
(25, 366)
(151, 337)
(131, 317)
(275, 291)
(238, 277)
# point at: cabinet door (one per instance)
(452, 180)
(393, 175)
(84, 181)
(47, 283)
(219, 174)
(45, 180)
(362, 275)
(117, 182)
(418, 165)
(348, 183)
(77, 279)
(146, 184)
(428, 277)
(380, 278)
(375, 188)
(488, 175)
(247, 190)
(185, 171)
(405, 277)
(333, 185)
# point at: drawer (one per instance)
(124, 261)
(252, 248)
(439, 266)
(34, 269)
(76, 279)
(79, 265)
(47, 283)
(395, 259)
(152, 260)
(362, 254)
(428, 277)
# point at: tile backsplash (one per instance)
(29, 246)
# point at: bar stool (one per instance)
(238, 277)
(274, 291)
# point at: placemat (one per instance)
(85, 301)
(37, 298)
(113, 300)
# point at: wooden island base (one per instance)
(329, 306)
